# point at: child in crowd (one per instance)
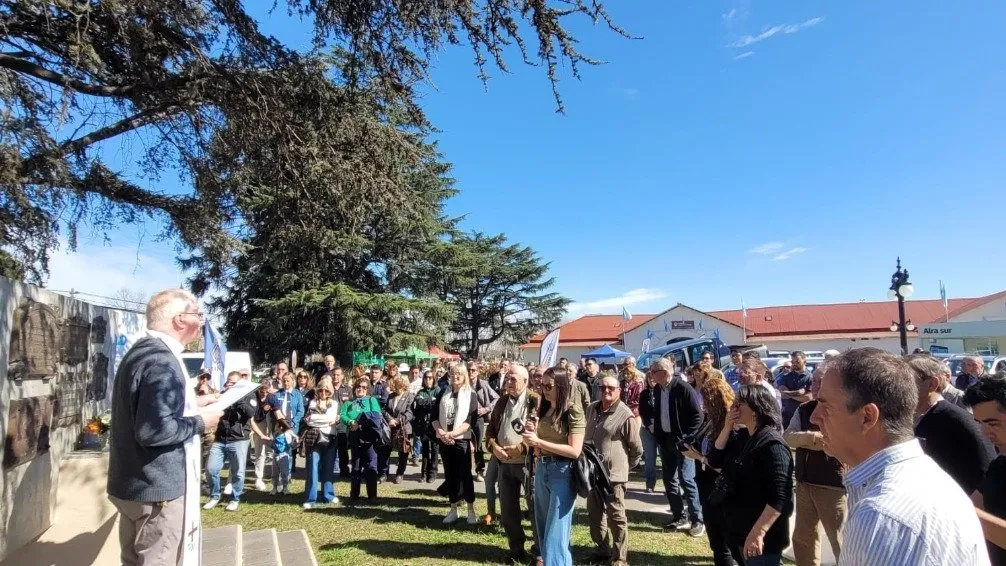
(282, 439)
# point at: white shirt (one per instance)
(905, 510)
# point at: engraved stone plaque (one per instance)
(76, 334)
(71, 391)
(34, 341)
(99, 377)
(98, 328)
(27, 430)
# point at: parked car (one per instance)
(233, 361)
(687, 352)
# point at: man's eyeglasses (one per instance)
(196, 314)
(609, 387)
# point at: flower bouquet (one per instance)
(94, 436)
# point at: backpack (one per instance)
(374, 429)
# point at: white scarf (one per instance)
(460, 409)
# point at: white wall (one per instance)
(28, 501)
(892, 345)
(571, 353)
(993, 310)
(633, 339)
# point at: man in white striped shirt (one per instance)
(903, 508)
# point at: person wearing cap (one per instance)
(321, 420)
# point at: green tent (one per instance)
(413, 354)
(367, 359)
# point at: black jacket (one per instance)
(646, 407)
(422, 411)
(950, 436)
(233, 425)
(759, 470)
(685, 412)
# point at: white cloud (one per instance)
(784, 29)
(744, 55)
(103, 270)
(768, 248)
(729, 16)
(615, 304)
(788, 254)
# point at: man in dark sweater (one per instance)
(948, 434)
(987, 398)
(676, 415)
(147, 468)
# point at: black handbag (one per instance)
(722, 488)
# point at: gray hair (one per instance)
(164, 305)
(871, 375)
(663, 364)
(926, 366)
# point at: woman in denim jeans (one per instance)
(557, 437)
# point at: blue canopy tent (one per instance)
(605, 353)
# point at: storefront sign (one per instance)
(974, 329)
(683, 325)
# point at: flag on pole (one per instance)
(943, 294)
(215, 352)
(667, 328)
(744, 309)
(700, 325)
(649, 333)
(549, 353)
(626, 315)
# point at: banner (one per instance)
(646, 345)
(215, 352)
(549, 349)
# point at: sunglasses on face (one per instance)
(609, 388)
(547, 386)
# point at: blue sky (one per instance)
(784, 152)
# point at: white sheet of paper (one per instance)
(233, 394)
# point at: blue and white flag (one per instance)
(215, 353)
(700, 325)
(626, 315)
(649, 333)
(549, 352)
(716, 333)
(667, 327)
(943, 294)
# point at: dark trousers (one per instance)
(342, 448)
(460, 483)
(383, 460)
(679, 475)
(430, 452)
(715, 517)
(478, 436)
(403, 459)
(511, 478)
(364, 469)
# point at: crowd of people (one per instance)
(894, 462)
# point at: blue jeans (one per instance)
(417, 446)
(492, 476)
(649, 457)
(237, 456)
(320, 467)
(553, 509)
(677, 469)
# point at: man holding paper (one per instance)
(153, 472)
(231, 443)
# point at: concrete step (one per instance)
(260, 548)
(295, 548)
(222, 546)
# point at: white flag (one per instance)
(549, 349)
(646, 345)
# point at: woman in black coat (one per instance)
(756, 483)
(398, 415)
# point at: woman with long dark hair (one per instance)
(453, 418)
(422, 426)
(557, 436)
(717, 398)
(756, 482)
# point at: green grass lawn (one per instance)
(404, 528)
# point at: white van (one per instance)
(233, 361)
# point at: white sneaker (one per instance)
(334, 501)
(232, 506)
(228, 489)
(308, 506)
(260, 485)
(452, 516)
(211, 503)
(473, 519)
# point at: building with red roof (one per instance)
(976, 324)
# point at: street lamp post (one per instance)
(901, 289)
